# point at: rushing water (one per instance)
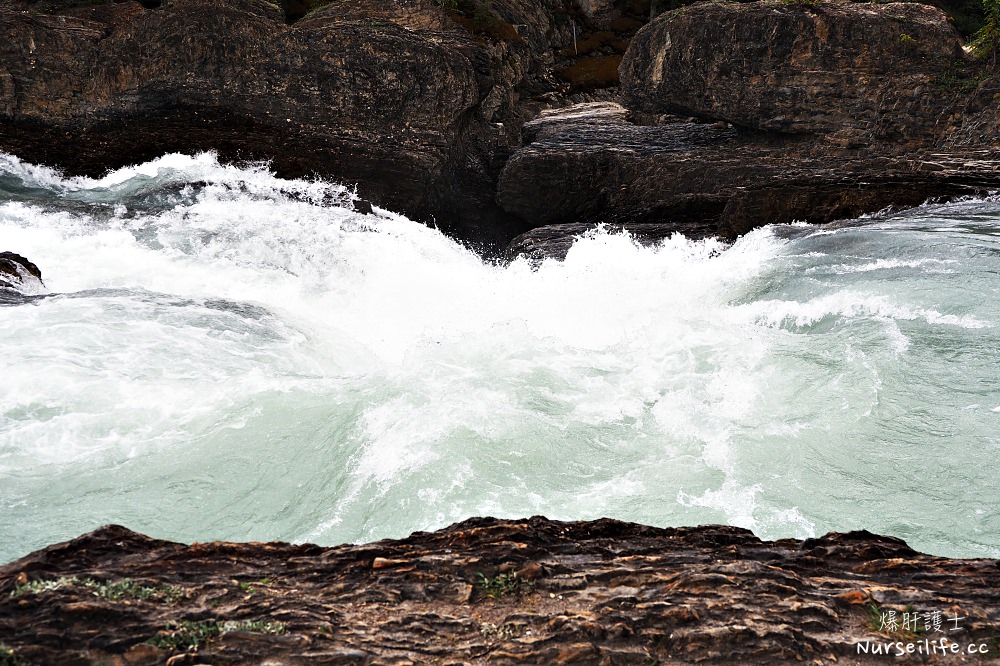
(228, 355)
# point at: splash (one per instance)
(227, 354)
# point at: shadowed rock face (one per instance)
(491, 591)
(588, 164)
(400, 99)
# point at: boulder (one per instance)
(19, 275)
(856, 72)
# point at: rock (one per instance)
(416, 105)
(856, 71)
(20, 276)
(589, 165)
(595, 592)
(554, 241)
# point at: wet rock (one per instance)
(18, 277)
(416, 105)
(492, 591)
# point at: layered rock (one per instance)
(792, 112)
(498, 592)
(589, 165)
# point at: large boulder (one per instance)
(855, 72)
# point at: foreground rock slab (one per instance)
(489, 591)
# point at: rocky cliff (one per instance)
(417, 108)
(422, 103)
(491, 591)
(788, 111)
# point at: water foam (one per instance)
(234, 355)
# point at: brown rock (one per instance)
(685, 595)
(589, 165)
(416, 105)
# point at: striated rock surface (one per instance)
(856, 71)
(588, 164)
(489, 591)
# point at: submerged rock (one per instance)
(18, 276)
(498, 592)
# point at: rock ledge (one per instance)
(489, 591)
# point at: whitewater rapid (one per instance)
(224, 354)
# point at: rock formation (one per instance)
(491, 591)
(856, 72)
(588, 164)
(401, 99)
(790, 111)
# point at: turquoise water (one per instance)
(227, 355)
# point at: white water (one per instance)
(227, 355)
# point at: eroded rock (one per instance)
(494, 592)
(589, 165)
(858, 72)
(415, 104)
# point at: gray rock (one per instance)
(855, 71)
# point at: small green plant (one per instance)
(501, 585)
(986, 42)
(907, 40)
(255, 587)
(958, 79)
(188, 635)
(9, 658)
(501, 632)
(125, 588)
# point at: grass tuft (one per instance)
(125, 588)
(502, 585)
(187, 635)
